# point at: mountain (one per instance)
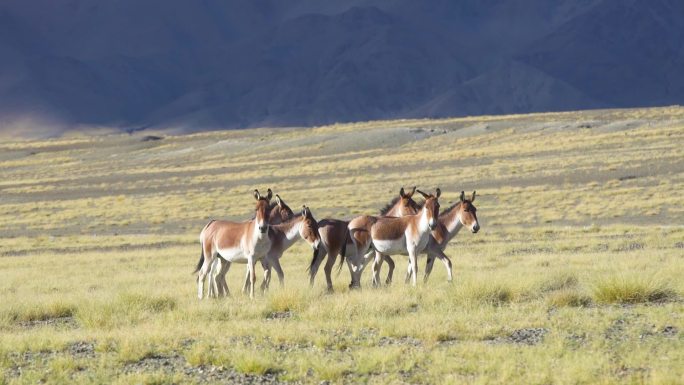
(625, 53)
(209, 64)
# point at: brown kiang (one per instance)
(282, 235)
(336, 241)
(407, 235)
(283, 227)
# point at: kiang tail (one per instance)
(343, 251)
(201, 260)
(200, 263)
(313, 261)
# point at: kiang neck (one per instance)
(452, 222)
(289, 231)
(424, 226)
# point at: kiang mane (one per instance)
(293, 217)
(450, 208)
(391, 204)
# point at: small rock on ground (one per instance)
(670, 331)
(528, 336)
(81, 349)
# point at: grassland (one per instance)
(575, 277)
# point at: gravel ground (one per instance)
(58, 322)
(177, 364)
(525, 336)
(172, 364)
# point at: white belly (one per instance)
(234, 255)
(391, 246)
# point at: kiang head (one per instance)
(431, 207)
(309, 229)
(468, 213)
(262, 211)
(280, 212)
(406, 204)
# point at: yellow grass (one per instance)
(582, 237)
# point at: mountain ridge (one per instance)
(219, 65)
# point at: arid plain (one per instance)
(574, 278)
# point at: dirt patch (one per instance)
(575, 340)
(616, 330)
(670, 331)
(525, 336)
(151, 138)
(601, 247)
(276, 315)
(406, 341)
(26, 359)
(155, 363)
(214, 374)
(624, 371)
(529, 250)
(81, 349)
(528, 336)
(57, 322)
(627, 177)
(202, 374)
(631, 247)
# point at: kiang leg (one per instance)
(221, 279)
(329, 264)
(245, 286)
(438, 253)
(252, 275)
(204, 269)
(275, 262)
(212, 289)
(413, 260)
(377, 264)
(390, 273)
(267, 274)
(409, 272)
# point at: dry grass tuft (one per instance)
(569, 298)
(124, 309)
(560, 281)
(27, 312)
(493, 293)
(633, 289)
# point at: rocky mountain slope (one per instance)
(194, 65)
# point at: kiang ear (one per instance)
(279, 201)
(305, 211)
(462, 196)
(423, 194)
(473, 198)
(401, 193)
(413, 191)
(438, 193)
(270, 195)
(257, 196)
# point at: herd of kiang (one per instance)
(403, 227)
